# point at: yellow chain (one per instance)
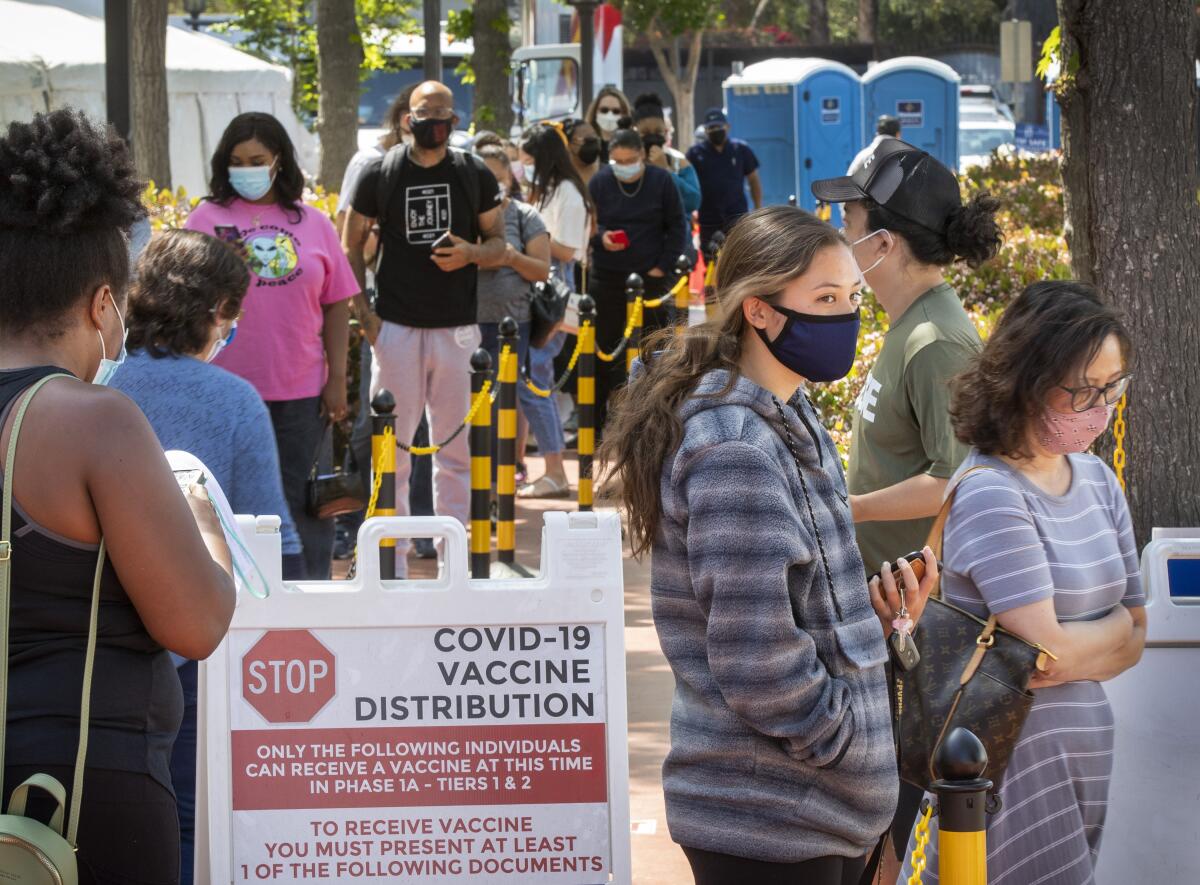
(675, 290)
(635, 319)
(480, 398)
(377, 480)
(544, 394)
(918, 855)
(1119, 435)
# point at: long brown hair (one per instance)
(765, 251)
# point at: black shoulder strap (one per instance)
(389, 179)
(468, 177)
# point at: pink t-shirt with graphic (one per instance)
(296, 269)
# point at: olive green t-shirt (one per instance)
(902, 416)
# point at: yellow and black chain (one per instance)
(561, 382)
(485, 395)
(635, 318)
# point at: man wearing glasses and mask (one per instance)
(438, 211)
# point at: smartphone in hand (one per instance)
(442, 242)
(619, 237)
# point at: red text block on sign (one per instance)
(410, 767)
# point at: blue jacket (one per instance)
(781, 743)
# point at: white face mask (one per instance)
(607, 120)
(527, 170)
(108, 368)
(221, 343)
(863, 271)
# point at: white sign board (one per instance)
(1150, 832)
(427, 731)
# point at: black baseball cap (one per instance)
(715, 117)
(902, 179)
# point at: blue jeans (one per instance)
(299, 431)
(542, 412)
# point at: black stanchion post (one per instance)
(682, 294)
(585, 395)
(506, 448)
(962, 791)
(635, 292)
(481, 469)
(383, 461)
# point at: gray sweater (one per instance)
(781, 744)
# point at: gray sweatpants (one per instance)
(429, 371)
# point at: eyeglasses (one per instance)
(1084, 398)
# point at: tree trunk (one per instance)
(868, 15)
(680, 77)
(818, 22)
(150, 117)
(1132, 224)
(493, 100)
(339, 58)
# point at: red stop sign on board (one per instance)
(288, 676)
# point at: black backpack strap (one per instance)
(389, 179)
(465, 166)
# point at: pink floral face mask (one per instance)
(1063, 433)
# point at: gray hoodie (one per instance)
(781, 744)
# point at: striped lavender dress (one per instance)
(1009, 544)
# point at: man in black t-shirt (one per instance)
(424, 330)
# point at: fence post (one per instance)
(585, 396)
(506, 448)
(635, 291)
(383, 460)
(962, 808)
(481, 470)
(710, 274)
(682, 295)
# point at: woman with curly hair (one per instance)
(89, 481)
(1041, 539)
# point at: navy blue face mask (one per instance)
(819, 348)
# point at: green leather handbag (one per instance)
(31, 852)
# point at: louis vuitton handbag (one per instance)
(971, 673)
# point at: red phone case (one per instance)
(620, 237)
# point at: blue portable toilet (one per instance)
(922, 94)
(802, 117)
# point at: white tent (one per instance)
(52, 56)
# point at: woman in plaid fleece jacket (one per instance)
(781, 767)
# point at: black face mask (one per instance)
(431, 134)
(654, 140)
(717, 137)
(589, 151)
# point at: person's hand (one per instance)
(885, 595)
(656, 156)
(454, 257)
(510, 254)
(656, 272)
(611, 245)
(333, 399)
(204, 511)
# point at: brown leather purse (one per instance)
(972, 673)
